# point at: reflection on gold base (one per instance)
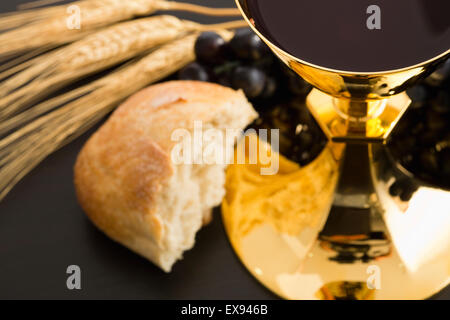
(294, 199)
(276, 226)
(345, 290)
(332, 116)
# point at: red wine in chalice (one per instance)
(355, 35)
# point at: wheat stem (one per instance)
(95, 53)
(48, 26)
(181, 6)
(230, 25)
(24, 149)
(30, 114)
(36, 4)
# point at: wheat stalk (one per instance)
(36, 4)
(48, 26)
(93, 53)
(24, 149)
(101, 50)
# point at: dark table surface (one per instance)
(43, 231)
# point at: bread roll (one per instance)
(125, 179)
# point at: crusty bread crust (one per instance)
(120, 173)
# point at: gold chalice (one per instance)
(331, 230)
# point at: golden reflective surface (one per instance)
(274, 224)
(419, 227)
(272, 221)
(331, 230)
(293, 199)
(334, 119)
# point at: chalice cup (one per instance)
(358, 241)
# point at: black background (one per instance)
(43, 230)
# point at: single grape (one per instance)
(247, 45)
(407, 193)
(193, 71)
(208, 47)
(395, 189)
(249, 79)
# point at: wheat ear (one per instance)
(49, 26)
(97, 52)
(24, 149)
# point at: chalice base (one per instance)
(304, 250)
(312, 233)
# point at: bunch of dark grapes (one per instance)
(421, 140)
(277, 93)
